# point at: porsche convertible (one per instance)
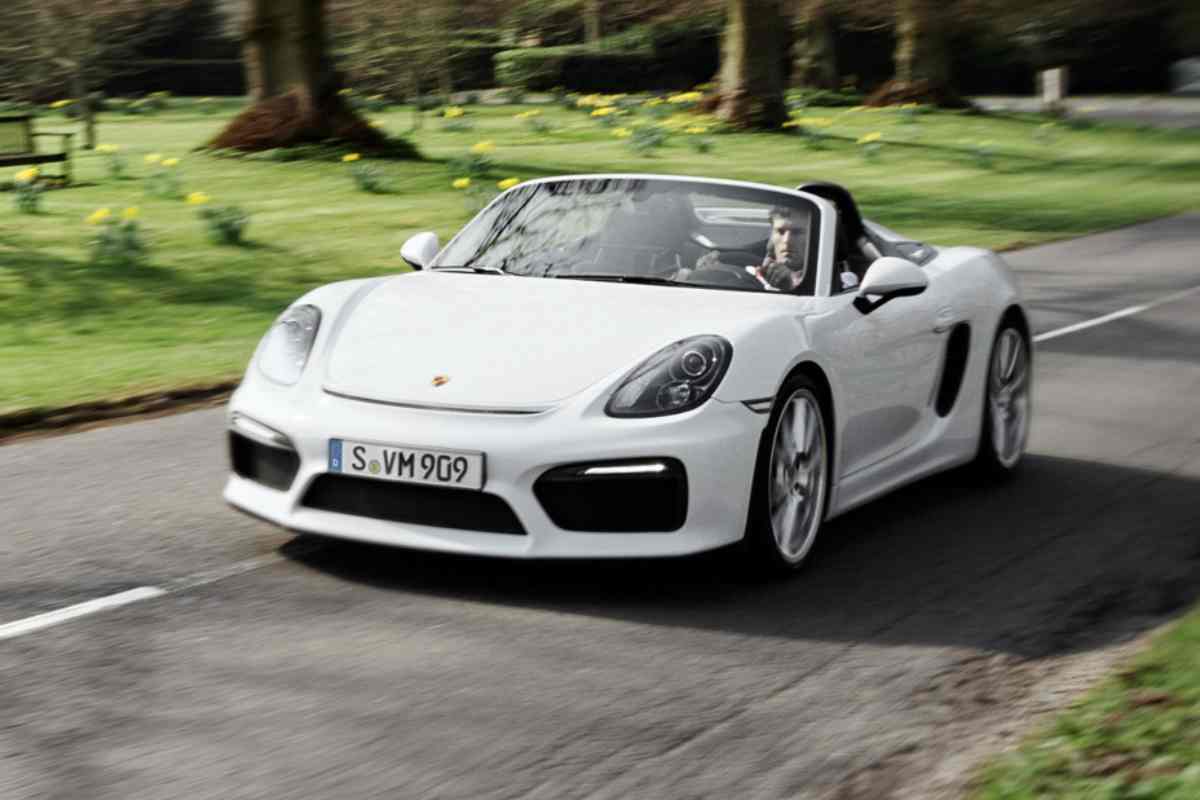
(633, 365)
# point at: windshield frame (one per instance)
(818, 245)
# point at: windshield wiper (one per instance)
(615, 278)
(471, 268)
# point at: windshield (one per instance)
(638, 230)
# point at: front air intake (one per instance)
(434, 506)
(642, 496)
(275, 467)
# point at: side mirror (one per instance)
(420, 249)
(888, 278)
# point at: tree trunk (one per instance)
(921, 53)
(751, 74)
(293, 87)
(85, 105)
(591, 21)
(922, 60)
(815, 64)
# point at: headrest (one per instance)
(851, 220)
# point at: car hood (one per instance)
(518, 344)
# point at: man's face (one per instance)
(787, 241)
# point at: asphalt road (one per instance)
(328, 669)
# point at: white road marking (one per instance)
(50, 618)
(221, 573)
(1124, 312)
(40, 621)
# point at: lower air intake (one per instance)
(414, 504)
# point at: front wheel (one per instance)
(787, 503)
(1007, 404)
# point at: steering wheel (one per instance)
(740, 256)
(723, 276)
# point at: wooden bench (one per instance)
(17, 146)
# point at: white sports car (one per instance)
(633, 365)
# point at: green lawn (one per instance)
(71, 331)
(1136, 736)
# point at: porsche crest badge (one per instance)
(441, 380)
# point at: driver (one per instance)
(785, 266)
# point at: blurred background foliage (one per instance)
(413, 47)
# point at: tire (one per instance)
(790, 493)
(1007, 404)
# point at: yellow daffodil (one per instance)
(685, 97)
(349, 157)
(484, 147)
(98, 216)
(61, 103)
(653, 101)
(793, 123)
(533, 112)
(461, 183)
(695, 129)
(507, 183)
(622, 133)
(153, 158)
(868, 138)
(130, 214)
(453, 112)
(197, 199)
(604, 111)
(170, 162)
(27, 175)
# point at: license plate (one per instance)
(385, 462)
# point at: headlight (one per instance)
(677, 378)
(285, 348)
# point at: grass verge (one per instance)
(1137, 736)
(75, 331)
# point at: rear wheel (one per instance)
(787, 504)
(1007, 405)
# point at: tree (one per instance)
(592, 29)
(400, 48)
(921, 56)
(751, 76)
(815, 57)
(294, 89)
(68, 48)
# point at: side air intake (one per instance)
(955, 366)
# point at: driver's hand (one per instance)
(709, 260)
(779, 275)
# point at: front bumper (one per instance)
(716, 444)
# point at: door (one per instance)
(888, 361)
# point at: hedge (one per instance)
(584, 69)
(663, 55)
